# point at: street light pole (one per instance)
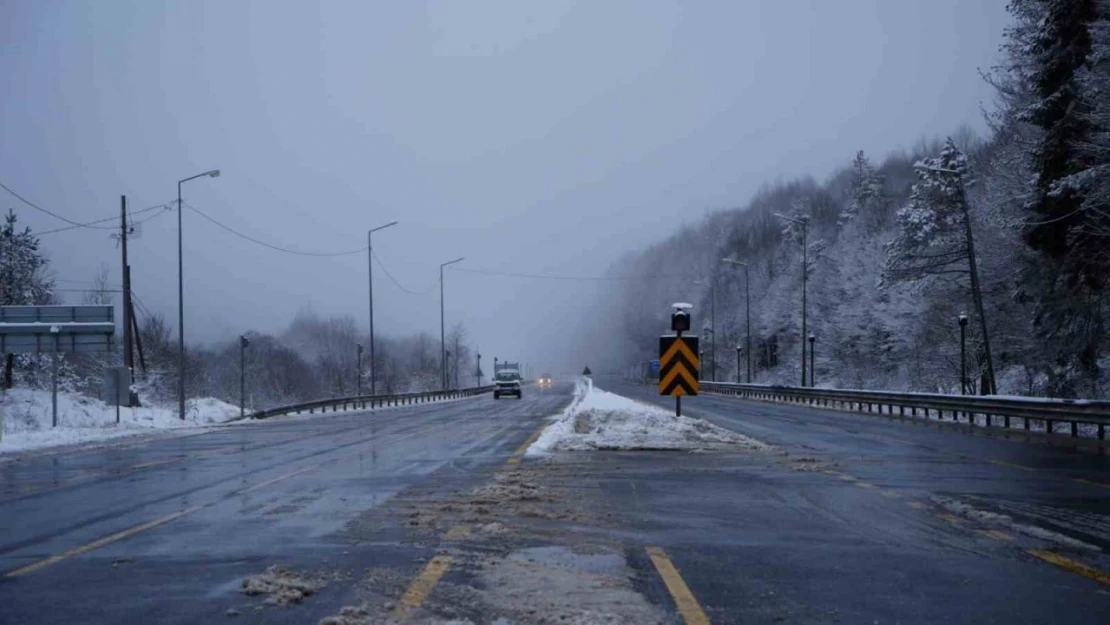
(442, 332)
(804, 223)
(748, 316)
(370, 276)
(181, 297)
(812, 371)
(739, 349)
(358, 381)
(243, 342)
(713, 324)
(963, 354)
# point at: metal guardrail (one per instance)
(959, 408)
(367, 402)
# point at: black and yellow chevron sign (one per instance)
(678, 365)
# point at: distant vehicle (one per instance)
(545, 380)
(506, 379)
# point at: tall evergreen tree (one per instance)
(23, 275)
(1063, 58)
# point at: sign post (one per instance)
(678, 359)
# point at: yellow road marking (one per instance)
(1091, 482)
(513, 460)
(891, 494)
(1078, 568)
(422, 586)
(916, 505)
(458, 532)
(531, 439)
(100, 542)
(951, 518)
(281, 478)
(688, 605)
(154, 463)
(106, 540)
(1003, 463)
(997, 535)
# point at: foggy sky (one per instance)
(538, 137)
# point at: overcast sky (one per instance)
(534, 137)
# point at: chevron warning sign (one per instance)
(678, 365)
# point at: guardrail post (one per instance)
(1048, 426)
(1074, 429)
(1101, 432)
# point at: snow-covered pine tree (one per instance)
(934, 240)
(867, 189)
(1059, 53)
(24, 275)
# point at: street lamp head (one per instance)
(215, 173)
(457, 260)
(392, 223)
(963, 319)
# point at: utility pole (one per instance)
(128, 356)
(977, 293)
(135, 328)
(358, 381)
(457, 356)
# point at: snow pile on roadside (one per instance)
(281, 586)
(26, 418)
(599, 420)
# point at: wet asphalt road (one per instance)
(848, 519)
(164, 531)
(879, 532)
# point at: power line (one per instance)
(91, 224)
(394, 280)
(139, 304)
(269, 245)
(51, 213)
(537, 276)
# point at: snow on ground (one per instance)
(597, 419)
(994, 518)
(26, 418)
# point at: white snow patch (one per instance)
(597, 419)
(27, 425)
(986, 517)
